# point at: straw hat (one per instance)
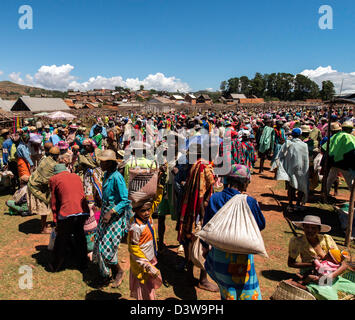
(335, 126)
(3, 131)
(54, 150)
(107, 155)
(348, 124)
(312, 220)
(305, 129)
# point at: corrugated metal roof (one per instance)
(238, 96)
(6, 104)
(44, 104)
(177, 97)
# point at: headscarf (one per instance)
(239, 171)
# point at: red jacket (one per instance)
(67, 195)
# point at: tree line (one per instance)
(278, 86)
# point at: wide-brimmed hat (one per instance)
(315, 220)
(3, 131)
(107, 155)
(54, 150)
(335, 126)
(305, 129)
(348, 124)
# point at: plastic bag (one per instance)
(233, 229)
(52, 240)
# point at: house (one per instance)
(204, 98)
(6, 105)
(160, 100)
(235, 97)
(90, 106)
(190, 98)
(69, 103)
(27, 103)
(227, 101)
(176, 98)
(252, 100)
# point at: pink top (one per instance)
(325, 267)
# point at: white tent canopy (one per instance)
(60, 115)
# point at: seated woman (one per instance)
(311, 246)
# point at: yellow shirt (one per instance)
(299, 246)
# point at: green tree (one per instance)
(305, 88)
(233, 85)
(328, 90)
(245, 85)
(258, 85)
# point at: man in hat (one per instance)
(70, 211)
(292, 165)
(38, 188)
(348, 127)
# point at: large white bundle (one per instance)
(233, 229)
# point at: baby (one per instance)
(332, 265)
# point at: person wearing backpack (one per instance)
(234, 273)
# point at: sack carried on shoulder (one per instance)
(142, 184)
(195, 248)
(233, 229)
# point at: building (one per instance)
(177, 98)
(204, 99)
(190, 98)
(6, 105)
(26, 103)
(160, 100)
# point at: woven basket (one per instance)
(286, 291)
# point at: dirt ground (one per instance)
(23, 245)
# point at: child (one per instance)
(332, 265)
(142, 245)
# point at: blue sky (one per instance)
(199, 42)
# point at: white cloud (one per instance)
(1, 72)
(328, 73)
(15, 77)
(60, 78)
(209, 89)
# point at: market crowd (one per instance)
(82, 182)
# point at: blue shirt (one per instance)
(103, 132)
(6, 146)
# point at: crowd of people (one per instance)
(79, 180)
